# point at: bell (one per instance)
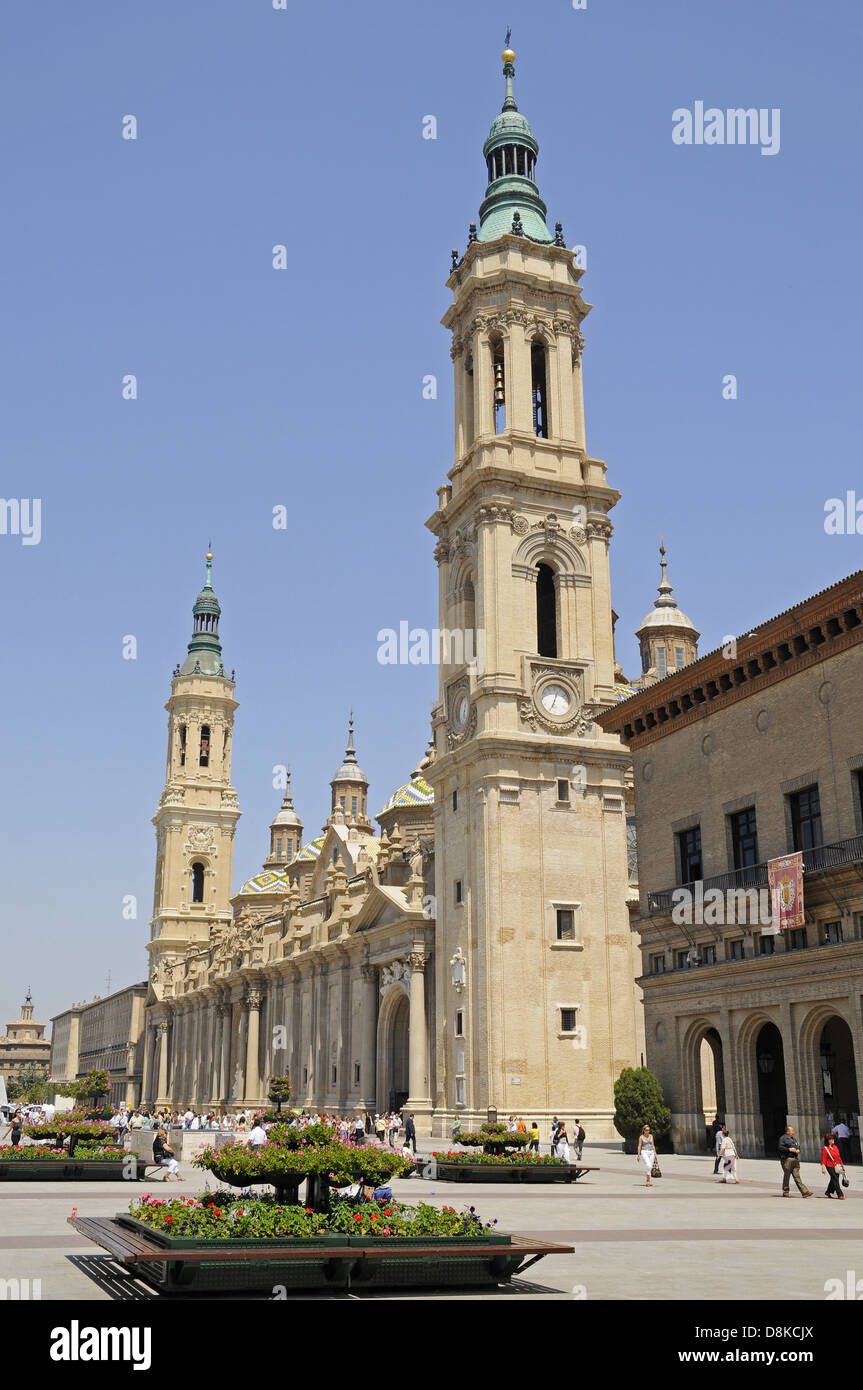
(499, 396)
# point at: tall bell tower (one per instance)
(198, 811)
(535, 993)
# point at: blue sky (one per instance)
(304, 387)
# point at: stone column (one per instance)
(419, 1099)
(368, 1038)
(162, 1055)
(216, 1060)
(253, 1079)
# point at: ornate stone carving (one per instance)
(601, 530)
(520, 525)
(173, 795)
(253, 998)
(201, 840)
(399, 972)
(459, 970)
(442, 552)
(491, 516)
(418, 960)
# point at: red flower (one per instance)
(375, 1216)
(357, 1216)
(169, 1218)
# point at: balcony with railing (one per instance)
(815, 861)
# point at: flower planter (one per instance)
(127, 1169)
(505, 1172)
(262, 1243)
(485, 1239)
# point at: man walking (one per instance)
(578, 1138)
(789, 1157)
(842, 1134)
(717, 1144)
(410, 1134)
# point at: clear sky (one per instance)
(303, 387)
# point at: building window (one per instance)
(205, 746)
(458, 896)
(744, 838)
(806, 818)
(858, 777)
(455, 801)
(353, 808)
(679, 658)
(689, 849)
(661, 662)
(563, 791)
(278, 846)
(539, 389)
(499, 398)
(342, 803)
(657, 965)
(734, 949)
(197, 883)
(568, 1020)
(356, 1073)
(459, 1090)
(645, 658)
(766, 945)
(459, 1023)
(831, 933)
(182, 745)
(796, 939)
(546, 612)
(708, 955)
(305, 1076)
(565, 924)
(334, 1075)
(685, 960)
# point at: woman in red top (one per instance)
(831, 1164)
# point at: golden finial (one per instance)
(209, 555)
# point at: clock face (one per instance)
(461, 710)
(555, 700)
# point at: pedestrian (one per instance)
(646, 1152)
(561, 1142)
(163, 1154)
(718, 1147)
(789, 1157)
(729, 1155)
(369, 1123)
(533, 1146)
(842, 1134)
(410, 1133)
(258, 1136)
(380, 1128)
(578, 1138)
(832, 1165)
(394, 1126)
(554, 1124)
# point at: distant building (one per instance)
(23, 1045)
(749, 754)
(104, 1035)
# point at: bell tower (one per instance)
(534, 988)
(198, 811)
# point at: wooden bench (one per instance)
(130, 1248)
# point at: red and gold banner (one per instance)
(785, 881)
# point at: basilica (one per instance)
(471, 952)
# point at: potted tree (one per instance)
(639, 1101)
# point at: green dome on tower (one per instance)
(205, 649)
(512, 202)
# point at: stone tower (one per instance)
(534, 983)
(350, 789)
(197, 812)
(667, 639)
(286, 833)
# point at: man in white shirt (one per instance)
(187, 1118)
(842, 1134)
(258, 1136)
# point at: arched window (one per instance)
(182, 745)
(498, 376)
(539, 388)
(546, 612)
(197, 883)
(204, 759)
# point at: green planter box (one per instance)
(491, 1172)
(202, 1243)
(73, 1170)
(485, 1239)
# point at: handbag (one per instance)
(845, 1182)
(656, 1171)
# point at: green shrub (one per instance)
(639, 1101)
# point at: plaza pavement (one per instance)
(689, 1236)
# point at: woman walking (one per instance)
(561, 1142)
(832, 1165)
(646, 1152)
(729, 1156)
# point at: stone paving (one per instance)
(689, 1236)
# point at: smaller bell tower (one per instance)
(198, 811)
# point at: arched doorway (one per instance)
(772, 1096)
(394, 1050)
(712, 1077)
(839, 1077)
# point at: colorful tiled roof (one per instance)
(267, 882)
(623, 692)
(416, 792)
(309, 852)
